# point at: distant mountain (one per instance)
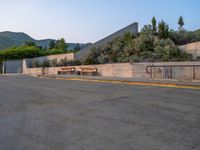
(82, 45)
(12, 39)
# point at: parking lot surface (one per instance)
(46, 114)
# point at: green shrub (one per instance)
(46, 63)
(23, 52)
(35, 64)
(53, 63)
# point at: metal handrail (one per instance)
(171, 68)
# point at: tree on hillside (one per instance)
(147, 29)
(29, 43)
(61, 44)
(127, 38)
(163, 30)
(181, 23)
(45, 48)
(146, 39)
(52, 44)
(154, 25)
(77, 47)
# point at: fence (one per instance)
(14, 66)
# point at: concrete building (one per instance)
(133, 28)
(192, 48)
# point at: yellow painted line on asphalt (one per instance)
(156, 84)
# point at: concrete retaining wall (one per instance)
(108, 70)
(134, 70)
(192, 48)
(68, 56)
(178, 73)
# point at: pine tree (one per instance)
(77, 47)
(52, 44)
(61, 44)
(181, 23)
(154, 25)
(163, 30)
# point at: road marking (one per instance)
(155, 84)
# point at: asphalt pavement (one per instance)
(48, 114)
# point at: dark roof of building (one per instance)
(133, 28)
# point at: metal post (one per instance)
(151, 72)
(170, 67)
(194, 72)
(171, 72)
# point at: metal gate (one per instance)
(14, 66)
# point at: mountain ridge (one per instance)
(13, 39)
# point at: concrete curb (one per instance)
(142, 83)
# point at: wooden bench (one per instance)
(67, 70)
(88, 70)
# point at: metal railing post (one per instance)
(194, 72)
(170, 72)
(171, 69)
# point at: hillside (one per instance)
(82, 45)
(197, 31)
(13, 39)
(10, 39)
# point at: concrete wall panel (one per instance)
(134, 70)
(192, 48)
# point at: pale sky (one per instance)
(90, 20)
